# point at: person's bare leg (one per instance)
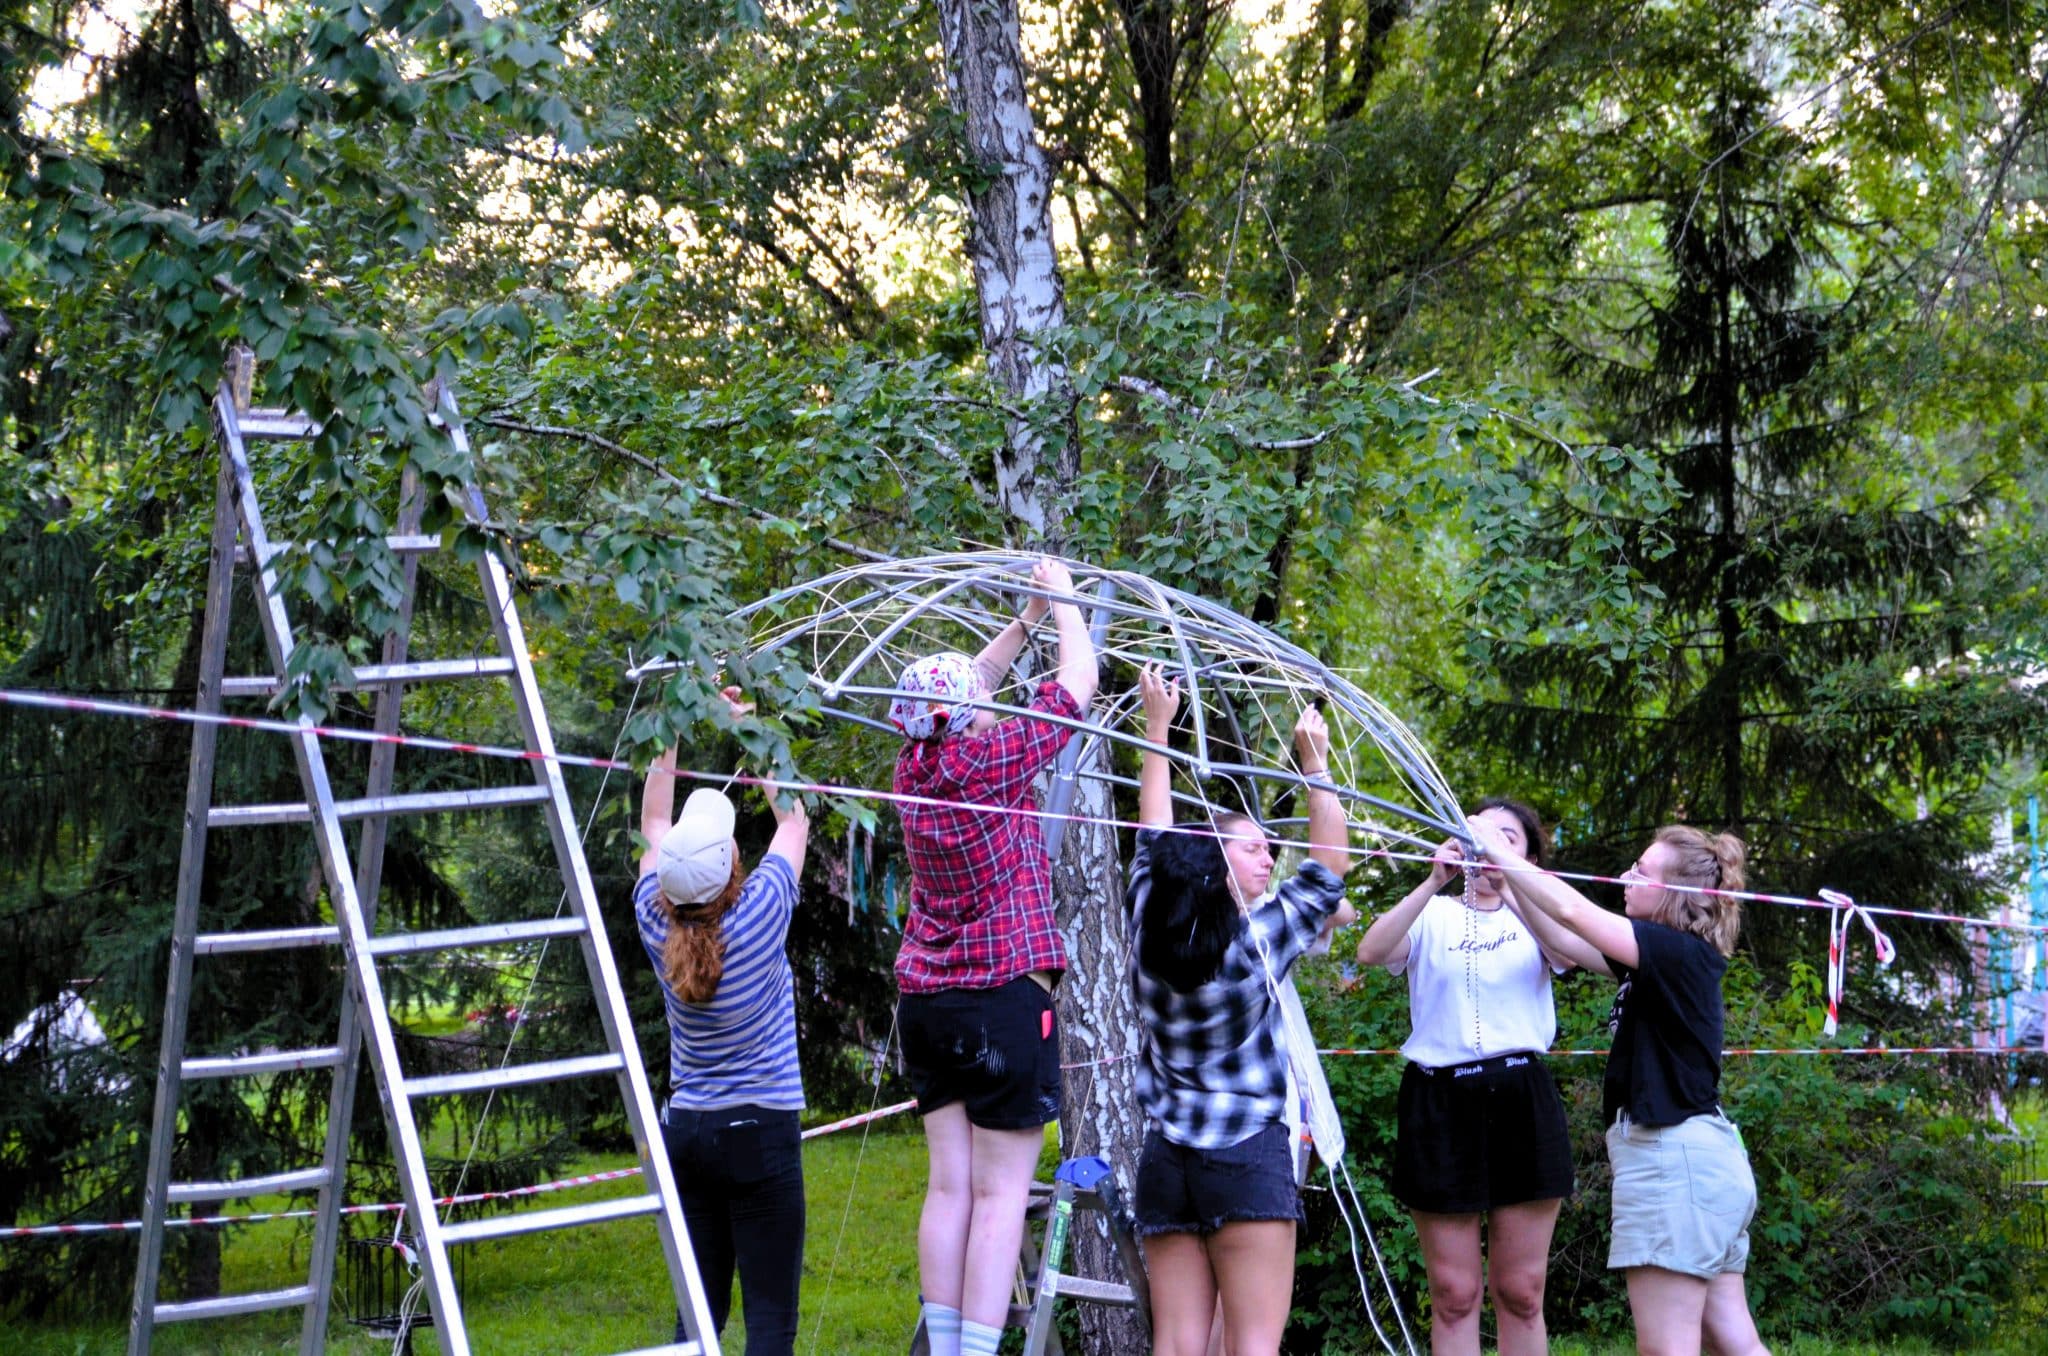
(1450, 1256)
(1254, 1265)
(1730, 1330)
(1668, 1307)
(1000, 1184)
(948, 1201)
(1517, 1266)
(1183, 1293)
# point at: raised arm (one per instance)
(1078, 673)
(1386, 941)
(1561, 946)
(657, 805)
(1161, 698)
(658, 797)
(792, 830)
(1329, 835)
(1612, 935)
(996, 657)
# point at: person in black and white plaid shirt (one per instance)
(1216, 1200)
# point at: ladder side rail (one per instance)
(384, 757)
(1045, 1293)
(1110, 1202)
(326, 1248)
(364, 989)
(607, 991)
(213, 651)
(369, 882)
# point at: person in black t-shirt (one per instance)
(1683, 1191)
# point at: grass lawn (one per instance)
(598, 1289)
(604, 1289)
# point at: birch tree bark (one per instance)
(1017, 281)
(1016, 275)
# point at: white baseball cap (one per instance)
(694, 861)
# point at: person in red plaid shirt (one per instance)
(980, 955)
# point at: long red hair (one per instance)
(693, 958)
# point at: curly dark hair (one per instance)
(1190, 914)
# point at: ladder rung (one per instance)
(265, 939)
(271, 1184)
(379, 807)
(401, 544)
(275, 424)
(1093, 1292)
(563, 1217)
(487, 934)
(513, 1076)
(248, 1066)
(381, 675)
(220, 1306)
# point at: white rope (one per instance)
(853, 1185)
(1379, 1262)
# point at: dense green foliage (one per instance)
(1640, 396)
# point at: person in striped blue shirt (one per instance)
(716, 936)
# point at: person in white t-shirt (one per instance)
(1481, 1144)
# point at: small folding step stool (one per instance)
(1080, 1183)
(352, 884)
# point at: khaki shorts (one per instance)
(1683, 1196)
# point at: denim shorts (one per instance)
(1683, 1196)
(1198, 1191)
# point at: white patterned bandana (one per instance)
(938, 690)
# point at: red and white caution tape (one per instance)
(387, 1207)
(861, 1119)
(1730, 1050)
(1846, 910)
(94, 706)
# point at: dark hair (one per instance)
(1231, 823)
(1190, 914)
(1536, 840)
(693, 957)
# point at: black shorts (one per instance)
(996, 1050)
(1474, 1137)
(1198, 1191)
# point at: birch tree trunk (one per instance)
(1100, 1115)
(1016, 276)
(1017, 281)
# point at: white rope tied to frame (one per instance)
(1844, 911)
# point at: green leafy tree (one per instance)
(1786, 648)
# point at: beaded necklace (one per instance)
(1472, 961)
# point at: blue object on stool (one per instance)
(1082, 1172)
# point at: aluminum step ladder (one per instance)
(1079, 1183)
(352, 882)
